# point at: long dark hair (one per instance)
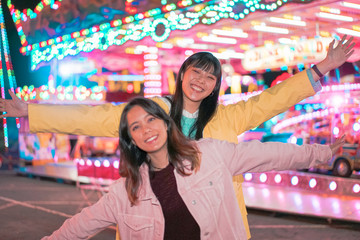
(132, 157)
(206, 62)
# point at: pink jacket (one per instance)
(208, 193)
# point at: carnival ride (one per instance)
(330, 114)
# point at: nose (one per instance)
(201, 78)
(146, 129)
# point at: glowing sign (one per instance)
(277, 56)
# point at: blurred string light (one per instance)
(61, 93)
(4, 50)
(170, 17)
(233, 98)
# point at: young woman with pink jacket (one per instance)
(176, 188)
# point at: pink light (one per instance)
(263, 177)
(298, 200)
(337, 101)
(265, 192)
(116, 164)
(312, 183)
(277, 178)
(293, 139)
(315, 203)
(248, 176)
(106, 163)
(356, 126)
(332, 186)
(356, 188)
(97, 163)
(82, 162)
(294, 180)
(89, 162)
(335, 206)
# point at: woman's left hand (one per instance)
(337, 144)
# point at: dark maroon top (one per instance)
(179, 223)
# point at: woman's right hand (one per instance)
(14, 107)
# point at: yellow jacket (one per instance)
(228, 122)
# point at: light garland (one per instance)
(152, 77)
(4, 49)
(143, 24)
(61, 93)
(317, 114)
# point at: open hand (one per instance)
(337, 144)
(337, 56)
(14, 107)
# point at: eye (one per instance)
(134, 128)
(196, 71)
(151, 119)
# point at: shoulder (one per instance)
(163, 102)
(118, 185)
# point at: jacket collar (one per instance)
(145, 192)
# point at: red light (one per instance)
(130, 88)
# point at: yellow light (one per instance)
(356, 28)
(199, 7)
(268, 42)
(201, 34)
(330, 10)
(244, 47)
(325, 34)
(288, 16)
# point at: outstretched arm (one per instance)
(246, 115)
(79, 119)
(255, 156)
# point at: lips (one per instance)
(151, 139)
(196, 88)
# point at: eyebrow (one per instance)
(130, 125)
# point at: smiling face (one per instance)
(197, 84)
(147, 132)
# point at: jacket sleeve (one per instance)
(246, 115)
(88, 222)
(101, 120)
(255, 156)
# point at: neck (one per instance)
(158, 161)
(191, 106)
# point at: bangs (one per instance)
(206, 64)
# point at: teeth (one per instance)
(196, 88)
(150, 139)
